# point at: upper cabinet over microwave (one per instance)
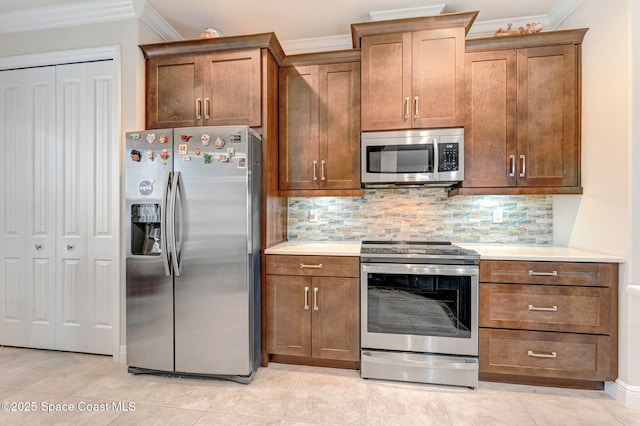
(413, 71)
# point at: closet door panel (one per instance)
(28, 204)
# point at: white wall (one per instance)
(606, 217)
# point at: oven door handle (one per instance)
(420, 269)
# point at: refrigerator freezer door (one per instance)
(212, 294)
(149, 288)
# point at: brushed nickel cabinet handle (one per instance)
(315, 170)
(524, 166)
(315, 298)
(198, 108)
(512, 165)
(406, 108)
(207, 108)
(542, 354)
(305, 266)
(306, 298)
(543, 274)
(416, 110)
(323, 165)
(553, 308)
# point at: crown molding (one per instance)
(318, 44)
(158, 24)
(69, 15)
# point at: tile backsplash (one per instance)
(422, 214)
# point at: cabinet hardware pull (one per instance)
(524, 166)
(38, 246)
(406, 108)
(416, 114)
(304, 265)
(306, 298)
(198, 108)
(543, 274)
(323, 165)
(315, 170)
(542, 354)
(69, 247)
(315, 298)
(512, 165)
(207, 108)
(553, 308)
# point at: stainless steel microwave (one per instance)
(413, 157)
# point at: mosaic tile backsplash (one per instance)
(422, 214)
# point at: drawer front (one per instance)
(317, 266)
(544, 354)
(555, 273)
(546, 308)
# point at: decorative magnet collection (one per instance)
(183, 149)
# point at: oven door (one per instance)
(420, 308)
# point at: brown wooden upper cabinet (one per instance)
(522, 134)
(413, 71)
(207, 82)
(320, 124)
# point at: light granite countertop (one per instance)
(487, 251)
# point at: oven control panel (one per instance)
(448, 157)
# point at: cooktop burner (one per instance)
(416, 252)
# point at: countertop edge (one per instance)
(532, 253)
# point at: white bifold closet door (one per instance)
(59, 207)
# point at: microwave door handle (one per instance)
(436, 159)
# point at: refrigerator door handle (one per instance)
(175, 234)
(164, 234)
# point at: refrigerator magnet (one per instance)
(242, 162)
(205, 139)
(149, 154)
(164, 138)
(135, 136)
(187, 158)
(145, 187)
(231, 152)
(185, 137)
(164, 154)
(219, 142)
(196, 151)
(182, 149)
(151, 137)
(135, 155)
(223, 158)
(207, 158)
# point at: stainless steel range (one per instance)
(419, 312)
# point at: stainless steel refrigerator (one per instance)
(193, 227)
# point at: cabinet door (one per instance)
(339, 125)
(386, 82)
(288, 305)
(437, 77)
(335, 319)
(174, 88)
(232, 88)
(298, 156)
(548, 113)
(490, 133)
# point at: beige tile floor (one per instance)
(32, 380)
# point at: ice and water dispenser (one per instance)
(145, 229)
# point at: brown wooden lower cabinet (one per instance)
(313, 319)
(548, 323)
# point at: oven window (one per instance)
(423, 305)
(400, 158)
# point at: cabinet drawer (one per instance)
(317, 266)
(555, 273)
(544, 354)
(546, 308)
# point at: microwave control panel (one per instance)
(448, 157)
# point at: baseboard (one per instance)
(626, 394)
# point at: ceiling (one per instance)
(300, 19)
